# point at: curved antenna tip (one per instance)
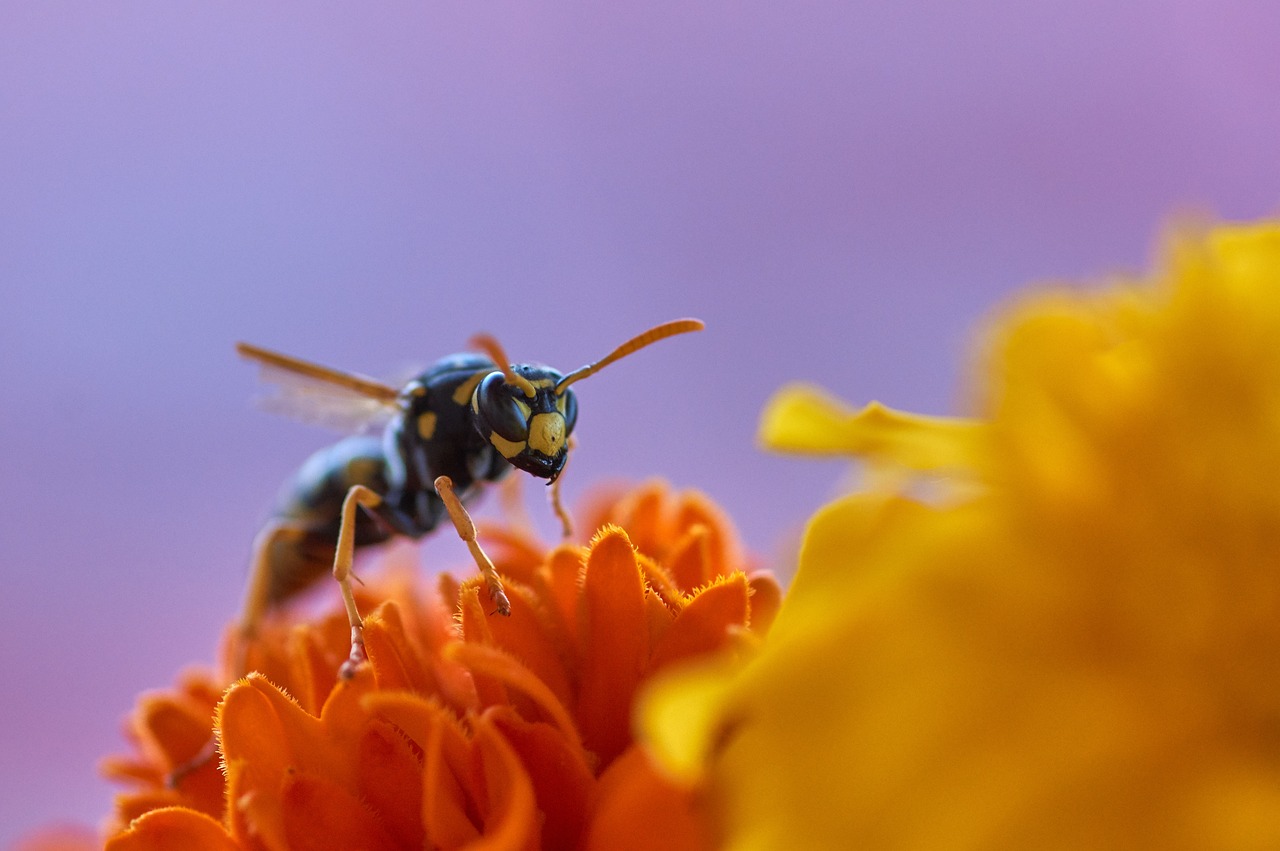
(635, 344)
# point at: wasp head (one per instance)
(531, 432)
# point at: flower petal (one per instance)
(320, 815)
(500, 666)
(703, 625)
(508, 808)
(562, 780)
(722, 554)
(690, 561)
(766, 599)
(161, 830)
(803, 418)
(390, 780)
(616, 642)
(560, 582)
(638, 809)
(172, 730)
(527, 636)
(450, 783)
(682, 714)
(60, 838)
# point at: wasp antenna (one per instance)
(358, 383)
(635, 344)
(492, 348)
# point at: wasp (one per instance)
(463, 423)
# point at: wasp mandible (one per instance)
(464, 422)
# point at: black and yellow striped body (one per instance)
(437, 432)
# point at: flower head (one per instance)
(464, 730)
(1075, 641)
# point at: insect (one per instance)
(463, 423)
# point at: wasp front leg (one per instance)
(553, 495)
(467, 532)
(359, 496)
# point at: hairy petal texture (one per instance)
(465, 729)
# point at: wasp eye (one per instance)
(567, 404)
(499, 409)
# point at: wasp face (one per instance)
(530, 432)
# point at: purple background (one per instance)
(839, 189)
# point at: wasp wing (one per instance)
(319, 395)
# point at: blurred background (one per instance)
(840, 190)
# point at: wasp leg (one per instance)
(358, 496)
(467, 532)
(566, 523)
(553, 493)
(258, 596)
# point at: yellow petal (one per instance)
(681, 714)
(802, 418)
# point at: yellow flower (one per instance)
(464, 730)
(1074, 642)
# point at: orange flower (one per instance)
(464, 730)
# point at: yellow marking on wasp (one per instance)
(525, 410)
(427, 425)
(468, 387)
(508, 448)
(543, 382)
(546, 434)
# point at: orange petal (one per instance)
(526, 636)
(641, 514)
(661, 583)
(449, 779)
(172, 729)
(637, 809)
(320, 815)
(256, 755)
(766, 597)
(268, 738)
(476, 632)
(724, 553)
(616, 638)
(495, 663)
(344, 720)
(703, 626)
(314, 668)
(690, 558)
(390, 778)
(598, 508)
(514, 551)
(562, 780)
(509, 810)
(396, 663)
(132, 805)
(660, 617)
(447, 587)
(560, 582)
(130, 770)
(161, 830)
(59, 838)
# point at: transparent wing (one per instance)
(315, 394)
